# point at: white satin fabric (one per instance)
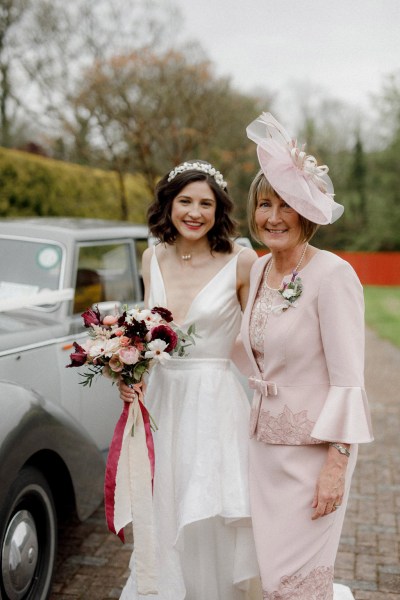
(202, 517)
(342, 592)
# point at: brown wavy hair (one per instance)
(159, 211)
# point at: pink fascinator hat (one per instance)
(294, 175)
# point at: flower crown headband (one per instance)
(197, 166)
(294, 175)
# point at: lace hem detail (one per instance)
(317, 585)
(287, 428)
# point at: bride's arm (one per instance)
(246, 260)
(146, 258)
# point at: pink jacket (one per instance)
(311, 389)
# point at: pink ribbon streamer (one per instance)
(115, 453)
(111, 470)
(128, 487)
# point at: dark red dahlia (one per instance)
(136, 329)
(121, 320)
(165, 333)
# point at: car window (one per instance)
(29, 267)
(105, 273)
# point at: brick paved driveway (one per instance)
(93, 564)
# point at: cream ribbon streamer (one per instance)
(134, 503)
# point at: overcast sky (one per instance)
(343, 46)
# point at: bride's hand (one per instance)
(126, 393)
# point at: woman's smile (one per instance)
(276, 231)
(193, 209)
(192, 224)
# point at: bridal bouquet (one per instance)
(123, 347)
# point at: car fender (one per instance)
(33, 430)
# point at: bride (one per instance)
(205, 547)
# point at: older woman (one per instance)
(303, 330)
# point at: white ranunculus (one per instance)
(156, 350)
(96, 347)
(111, 346)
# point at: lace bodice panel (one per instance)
(265, 300)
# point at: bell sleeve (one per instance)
(345, 416)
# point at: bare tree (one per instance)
(59, 40)
(107, 86)
(149, 111)
(12, 12)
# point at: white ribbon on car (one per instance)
(36, 299)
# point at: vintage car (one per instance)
(54, 433)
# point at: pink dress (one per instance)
(308, 364)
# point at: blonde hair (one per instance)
(261, 188)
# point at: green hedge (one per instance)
(32, 185)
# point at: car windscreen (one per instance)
(28, 267)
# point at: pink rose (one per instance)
(110, 320)
(124, 341)
(129, 355)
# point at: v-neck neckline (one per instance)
(205, 286)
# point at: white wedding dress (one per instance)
(205, 548)
(342, 592)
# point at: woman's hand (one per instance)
(126, 393)
(330, 485)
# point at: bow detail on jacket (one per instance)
(265, 388)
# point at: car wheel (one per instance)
(28, 534)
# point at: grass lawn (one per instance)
(382, 311)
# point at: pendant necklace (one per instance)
(185, 256)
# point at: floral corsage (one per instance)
(290, 292)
